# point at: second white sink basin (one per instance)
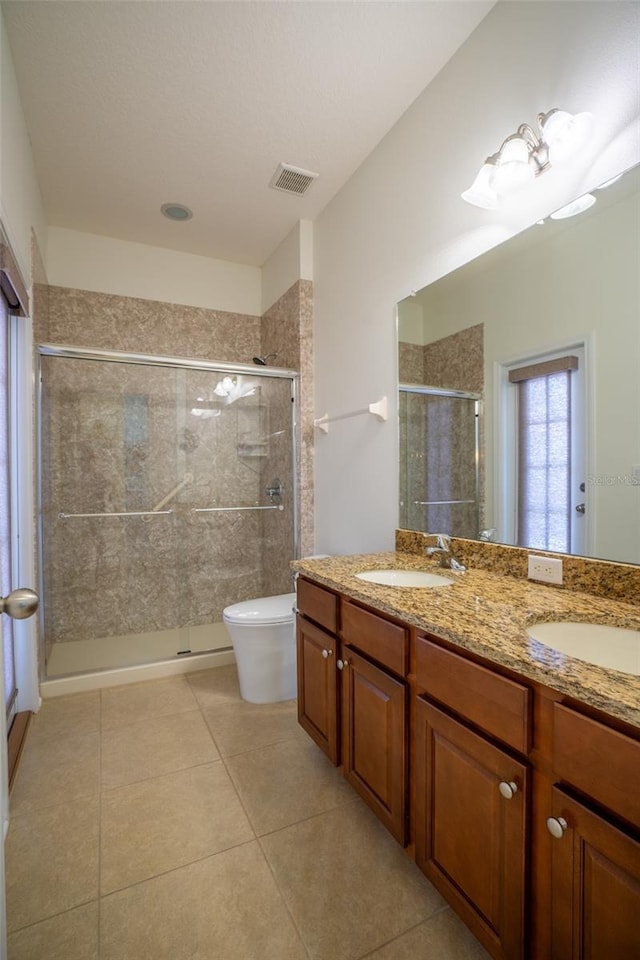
(614, 647)
(404, 578)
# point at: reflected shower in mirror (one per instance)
(563, 294)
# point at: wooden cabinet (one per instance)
(351, 703)
(525, 809)
(595, 885)
(470, 823)
(318, 702)
(374, 739)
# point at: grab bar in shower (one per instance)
(131, 513)
(233, 509)
(439, 503)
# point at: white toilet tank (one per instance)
(263, 635)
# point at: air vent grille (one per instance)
(292, 179)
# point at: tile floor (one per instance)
(170, 820)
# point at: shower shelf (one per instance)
(250, 448)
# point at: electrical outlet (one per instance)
(545, 569)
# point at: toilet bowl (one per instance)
(262, 632)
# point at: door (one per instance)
(471, 810)
(19, 604)
(318, 687)
(595, 885)
(374, 709)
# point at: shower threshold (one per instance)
(132, 649)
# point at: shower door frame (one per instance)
(153, 360)
(426, 390)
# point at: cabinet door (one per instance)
(374, 739)
(470, 837)
(595, 886)
(318, 687)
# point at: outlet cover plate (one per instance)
(544, 569)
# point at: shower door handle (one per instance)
(19, 604)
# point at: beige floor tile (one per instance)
(226, 907)
(238, 726)
(51, 861)
(64, 716)
(287, 782)
(218, 685)
(154, 747)
(69, 936)
(56, 770)
(348, 884)
(151, 827)
(443, 937)
(137, 701)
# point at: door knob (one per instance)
(341, 664)
(326, 653)
(19, 604)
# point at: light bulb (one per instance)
(565, 133)
(482, 192)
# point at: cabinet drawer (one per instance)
(318, 604)
(498, 705)
(602, 762)
(384, 641)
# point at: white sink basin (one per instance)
(404, 578)
(604, 646)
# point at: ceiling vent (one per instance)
(292, 179)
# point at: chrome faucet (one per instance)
(444, 555)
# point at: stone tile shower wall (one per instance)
(455, 362)
(181, 569)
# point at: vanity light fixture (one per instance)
(526, 154)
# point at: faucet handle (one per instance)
(443, 540)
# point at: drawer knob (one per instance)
(342, 664)
(326, 653)
(557, 826)
(508, 789)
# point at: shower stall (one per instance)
(167, 492)
(439, 460)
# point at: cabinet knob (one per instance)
(326, 653)
(508, 789)
(342, 664)
(557, 826)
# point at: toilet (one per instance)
(263, 635)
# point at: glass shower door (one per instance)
(439, 462)
(237, 533)
(166, 494)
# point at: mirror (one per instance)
(559, 288)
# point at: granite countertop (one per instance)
(487, 614)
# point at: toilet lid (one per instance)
(261, 610)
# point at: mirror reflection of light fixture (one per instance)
(574, 208)
(526, 154)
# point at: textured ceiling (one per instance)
(133, 104)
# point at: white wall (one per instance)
(106, 265)
(20, 202)
(291, 261)
(399, 223)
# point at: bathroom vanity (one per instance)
(510, 773)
